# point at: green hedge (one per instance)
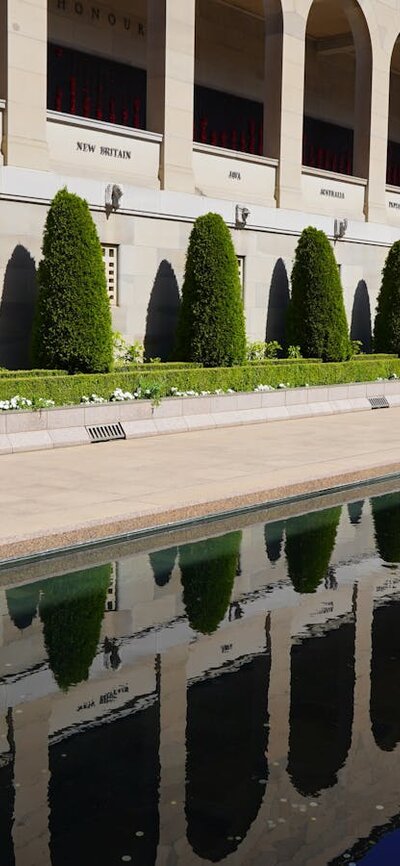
(29, 374)
(286, 361)
(70, 389)
(163, 365)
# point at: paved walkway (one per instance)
(50, 499)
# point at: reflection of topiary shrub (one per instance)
(310, 540)
(72, 327)
(316, 321)
(72, 609)
(273, 534)
(386, 515)
(355, 510)
(387, 320)
(22, 602)
(162, 563)
(211, 326)
(208, 570)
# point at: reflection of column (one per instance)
(364, 612)
(173, 687)
(31, 778)
(170, 82)
(25, 38)
(291, 137)
(279, 685)
(4, 744)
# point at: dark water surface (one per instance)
(233, 698)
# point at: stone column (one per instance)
(273, 77)
(375, 205)
(170, 83)
(31, 779)
(288, 191)
(23, 29)
(173, 702)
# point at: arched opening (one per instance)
(97, 59)
(393, 153)
(104, 797)
(236, 104)
(7, 792)
(337, 92)
(385, 676)
(227, 769)
(321, 707)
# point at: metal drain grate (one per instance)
(106, 432)
(378, 402)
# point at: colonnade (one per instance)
(171, 26)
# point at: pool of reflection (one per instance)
(231, 698)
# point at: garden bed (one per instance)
(60, 427)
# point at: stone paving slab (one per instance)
(56, 498)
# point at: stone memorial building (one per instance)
(277, 114)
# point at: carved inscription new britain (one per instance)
(115, 152)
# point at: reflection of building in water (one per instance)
(112, 596)
(215, 747)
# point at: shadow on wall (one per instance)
(162, 314)
(17, 309)
(361, 328)
(277, 304)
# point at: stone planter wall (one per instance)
(60, 427)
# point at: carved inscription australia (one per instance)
(116, 152)
(332, 193)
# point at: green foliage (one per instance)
(208, 570)
(72, 326)
(125, 354)
(310, 539)
(255, 351)
(271, 349)
(356, 347)
(386, 516)
(294, 352)
(211, 327)
(316, 319)
(66, 390)
(72, 609)
(262, 351)
(387, 320)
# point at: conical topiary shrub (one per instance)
(72, 326)
(316, 318)
(72, 610)
(211, 327)
(387, 320)
(310, 539)
(208, 570)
